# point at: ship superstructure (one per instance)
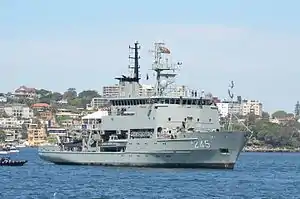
(168, 129)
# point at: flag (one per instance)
(164, 50)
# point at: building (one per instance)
(36, 134)
(146, 90)
(18, 110)
(3, 98)
(40, 107)
(98, 102)
(111, 91)
(226, 108)
(223, 109)
(25, 92)
(56, 131)
(251, 106)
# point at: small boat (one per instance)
(8, 162)
(20, 146)
(10, 149)
(3, 152)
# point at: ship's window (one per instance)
(143, 101)
(156, 101)
(194, 102)
(170, 131)
(177, 101)
(198, 119)
(189, 102)
(222, 150)
(184, 102)
(167, 101)
(172, 101)
(159, 129)
(169, 119)
(134, 102)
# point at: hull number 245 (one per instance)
(202, 144)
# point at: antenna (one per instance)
(165, 71)
(231, 95)
(136, 58)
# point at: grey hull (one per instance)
(176, 153)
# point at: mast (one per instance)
(165, 71)
(136, 58)
(135, 74)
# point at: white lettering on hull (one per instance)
(203, 144)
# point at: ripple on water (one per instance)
(255, 176)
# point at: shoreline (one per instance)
(271, 150)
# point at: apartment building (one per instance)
(18, 110)
(251, 106)
(226, 108)
(111, 91)
(36, 134)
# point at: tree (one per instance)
(56, 96)
(279, 114)
(89, 94)
(265, 115)
(2, 136)
(43, 92)
(70, 94)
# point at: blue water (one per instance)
(256, 175)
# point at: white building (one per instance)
(225, 108)
(251, 106)
(11, 122)
(3, 99)
(18, 110)
(111, 91)
(146, 90)
(97, 102)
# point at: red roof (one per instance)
(40, 105)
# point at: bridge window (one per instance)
(169, 119)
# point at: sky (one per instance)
(56, 45)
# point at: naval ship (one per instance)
(167, 129)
